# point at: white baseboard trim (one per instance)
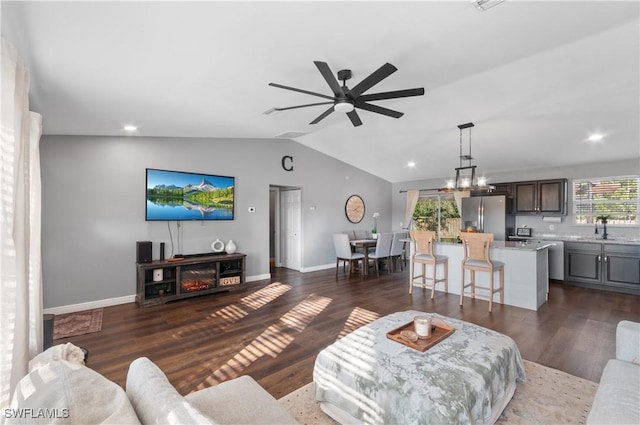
(258, 277)
(90, 305)
(317, 268)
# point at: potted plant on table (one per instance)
(374, 231)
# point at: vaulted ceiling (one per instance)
(536, 78)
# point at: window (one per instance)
(615, 198)
(440, 214)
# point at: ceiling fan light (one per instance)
(343, 106)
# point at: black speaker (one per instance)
(161, 250)
(143, 251)
(47, 329)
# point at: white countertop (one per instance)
(522, 246)
(583, 238)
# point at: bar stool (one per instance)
(423, 254)
(477, 259)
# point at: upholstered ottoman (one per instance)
(467, 378)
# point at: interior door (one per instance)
(290, 205)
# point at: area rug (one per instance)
(78, 323)
(549, 396)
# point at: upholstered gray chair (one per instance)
(397, 249)
(381, 251)
(362, 234)
(343, 252)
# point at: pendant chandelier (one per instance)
(466, 178)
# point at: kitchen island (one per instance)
(526, 271)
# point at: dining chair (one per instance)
(381, 251)
(423, 254)
(397, 249)
(343, 252)
(477, 258)
(361, 234)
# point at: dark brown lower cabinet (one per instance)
(608, 264)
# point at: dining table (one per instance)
(365, 244)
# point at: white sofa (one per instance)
(618, 396)
(60, 389)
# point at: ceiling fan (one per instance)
(346, 100)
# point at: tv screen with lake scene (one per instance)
(182, 196)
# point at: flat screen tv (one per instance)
(182, 196)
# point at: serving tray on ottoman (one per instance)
(439, 331)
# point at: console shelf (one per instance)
(162, 281)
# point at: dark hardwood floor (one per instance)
(274, 330)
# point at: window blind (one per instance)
(615, 198)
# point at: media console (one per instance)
(166, 280)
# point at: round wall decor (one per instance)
(354, 209)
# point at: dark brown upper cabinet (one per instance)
(545, 197)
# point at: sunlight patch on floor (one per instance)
(358, 318)
(264, 296)
(272, 341)
(232, 313)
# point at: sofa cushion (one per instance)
(155, 400)
(64, 392)
(240, 401)
(628, 341)
(68, 352)
(618, 395)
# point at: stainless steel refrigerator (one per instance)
(489, 214)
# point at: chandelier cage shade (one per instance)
(466, 177)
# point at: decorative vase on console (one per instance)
(217, 246)
(231, 247)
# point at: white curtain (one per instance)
(412, 200)
(20, 215)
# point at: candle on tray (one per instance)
(422, 325)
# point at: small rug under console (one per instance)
(78, 323)
(549, 396)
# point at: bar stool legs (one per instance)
(433, 279)
(492, 288)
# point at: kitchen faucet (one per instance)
(602, 219)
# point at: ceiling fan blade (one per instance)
(378, 75)
(378, 109)
(322, 116)
(301, 106)
(355, 119)
(280, 86)
(329, 78)
(391, 94)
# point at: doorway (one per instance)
(285, 226)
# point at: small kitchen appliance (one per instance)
(524, 232)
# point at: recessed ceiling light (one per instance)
(483, 5)
(595, 137)
(130, 128)
(411, 164)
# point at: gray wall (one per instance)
(93, 206)
(606, 169)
